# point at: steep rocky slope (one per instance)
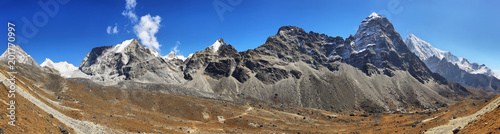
(453, 68)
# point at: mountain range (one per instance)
(451, 67)
(371, 71)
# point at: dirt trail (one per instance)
(462, 121)
(243, 114)
(80, 127)
(435, 117)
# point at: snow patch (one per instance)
(481, 70)
(370, 18)
(154, 52)
(496, 73)
(172, 55)
(366, 34)
(215, 47)
(374, 15)
(120, 47)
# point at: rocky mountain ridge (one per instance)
(362, 73)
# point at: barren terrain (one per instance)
(47, 101)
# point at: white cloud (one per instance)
(115, 30)
(146, 29)
(112, 30)
(109, 30)
(130, 4)
(174, 49)
(130, 10)
(177, 52)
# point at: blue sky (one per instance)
(468, 29)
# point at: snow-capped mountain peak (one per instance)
(423, 49)
(122, 47)
(172, 55)
(373, 30)
(215, 47)
(47, 63)
(64, 68)
(374, 15)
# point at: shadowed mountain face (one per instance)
(453, 68)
